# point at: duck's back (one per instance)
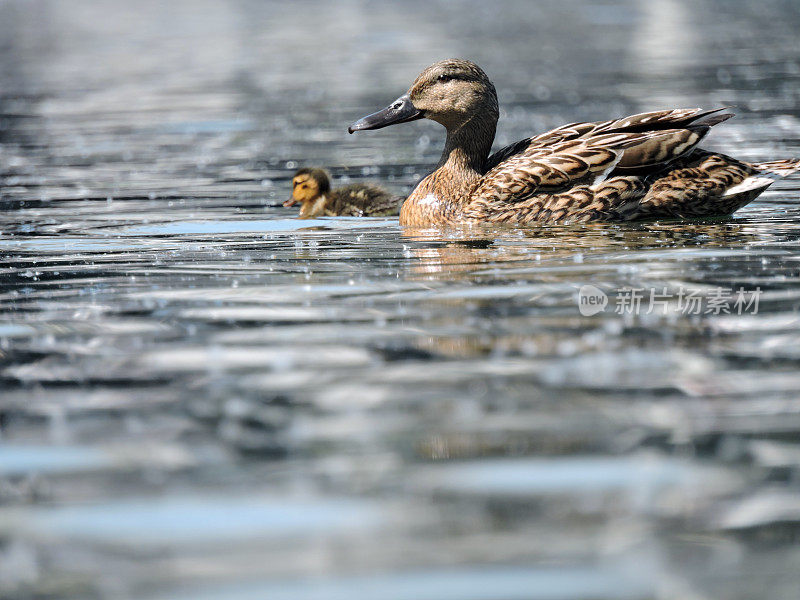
(362, 200)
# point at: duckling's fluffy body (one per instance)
(312, 188)
(638, 167)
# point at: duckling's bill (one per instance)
(401, 110)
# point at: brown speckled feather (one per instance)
(702, 184)
(642, 166)
(587, 158)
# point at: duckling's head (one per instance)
(307, 186)
(451, 92)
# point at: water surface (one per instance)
(203, 397)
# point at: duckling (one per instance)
(644, 166)
(312, 188)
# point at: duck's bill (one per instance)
(290, 202)
(399, 111)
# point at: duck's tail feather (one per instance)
(766, 174)
(712, 117)
(745, 192)
(777, 169)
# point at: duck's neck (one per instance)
(440, 197)
(468, 145)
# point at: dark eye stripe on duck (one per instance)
(318, 175)
(451, 69)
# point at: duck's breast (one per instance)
(423, 207)
(438, 199)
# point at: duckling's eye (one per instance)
(443, 78)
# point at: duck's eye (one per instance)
(443, 78)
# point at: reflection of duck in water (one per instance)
(640, 167)
(312, 188)
(473, 253)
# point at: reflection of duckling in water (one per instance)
(312, 188)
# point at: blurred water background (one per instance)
(202, 397)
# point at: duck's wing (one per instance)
(638, 123)
(665, 119)
(570, 131)
(587, 153)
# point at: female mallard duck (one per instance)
(642, 166)
(312, 188)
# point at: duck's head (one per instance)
(450, 92)
(307, 186)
